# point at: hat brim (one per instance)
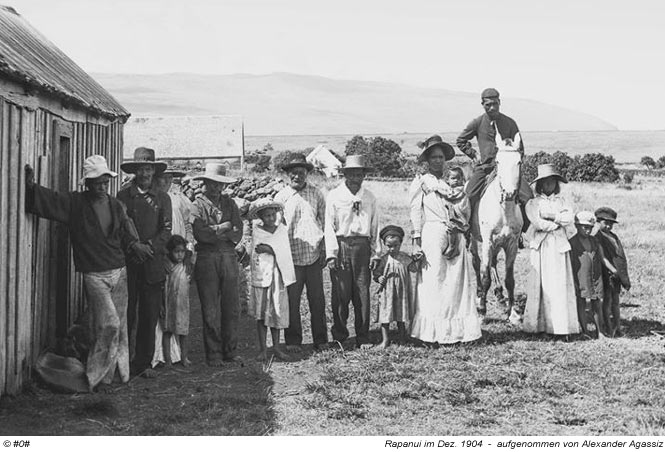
(220, 179)
(131, 167)
(253, 213)
(173, 173)
(100, 174)
(559, 177)
(366, 168)
(289, 166)
(448, 151)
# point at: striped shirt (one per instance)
(304, 212)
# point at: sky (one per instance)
(605, 58)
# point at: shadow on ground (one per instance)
(199, 400)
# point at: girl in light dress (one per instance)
(272, 271)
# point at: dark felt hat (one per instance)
(297, 160)
(433, 142)
(143, 156)
(607, 214)
(489, 93)
(391, 229)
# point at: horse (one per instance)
(499, 222)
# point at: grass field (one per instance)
(507, 383)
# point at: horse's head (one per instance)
(508, 165)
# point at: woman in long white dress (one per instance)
(551, 305)
(444, 304)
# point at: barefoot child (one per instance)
(176, 312)
(613, 249)
(458, 220)
(272, 271)
(587, 261)
(395, 296)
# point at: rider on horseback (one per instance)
(484, 129)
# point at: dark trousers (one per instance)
(350, 283)
(143, 306)
(312, 277)
(478, 181)
(216, 276)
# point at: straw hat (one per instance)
(143, 156)
(433, 142)
(215, 172)
(585, 218)
(547, 170)
(262, 204)
(297, 160)
(355, 162)
(607, 214)
(94, 167)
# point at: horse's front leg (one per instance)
(511, 255)
(485, 276)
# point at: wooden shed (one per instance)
(52, 116)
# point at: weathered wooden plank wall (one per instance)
(27, 276)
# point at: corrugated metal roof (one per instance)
(27, 56)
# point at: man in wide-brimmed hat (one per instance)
(304, 212)
(217, 230)
(484, 128)
(352, 248)
(150, 210)
(101, 234)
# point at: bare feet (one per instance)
(277, 351)
(366, 346)
(233, 359)
(185, 362)
(104, 388)
(294, 348)
(149, 374)
(216, 363)
(262, 356)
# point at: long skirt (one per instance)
(445, 310)
(551, 304)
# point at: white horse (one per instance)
(499, 226)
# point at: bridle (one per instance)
(503, 196)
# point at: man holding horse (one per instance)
(484, 128)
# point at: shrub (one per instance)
(587, 168)
(648, 162)
(282, 158)
(594, 168)
(660, 163)
(382, 154)
(253, 156)
(262, 164)
(356, 145)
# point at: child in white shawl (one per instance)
(272, 271)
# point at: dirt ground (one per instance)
(199, 400)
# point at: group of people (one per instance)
(138, 253)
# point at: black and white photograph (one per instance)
(397, 224)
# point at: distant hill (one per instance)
(290, 104)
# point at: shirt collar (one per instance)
(347, 192)
(134, 190)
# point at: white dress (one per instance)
(271, 275)
(444, 304)
(551, 306)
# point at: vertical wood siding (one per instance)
(27, 273)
